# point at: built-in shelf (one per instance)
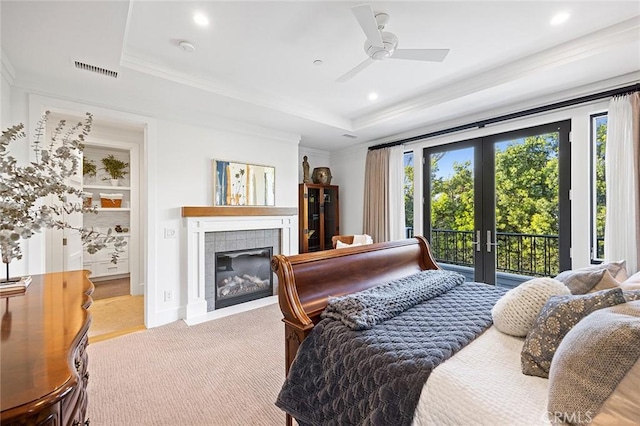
(113, 209)
(107, 187)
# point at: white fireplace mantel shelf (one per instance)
(200, 220)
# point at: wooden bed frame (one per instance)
(305, 281)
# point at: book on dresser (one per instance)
(14, 286)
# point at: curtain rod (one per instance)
(550, 107)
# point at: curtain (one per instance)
(376, 194)
(622, 175)
(384, 195)
(396, 193)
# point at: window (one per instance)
(408, 193)
(598, 186)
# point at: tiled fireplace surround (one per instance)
(236, 230)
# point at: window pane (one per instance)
(599, 141)
(408, 193)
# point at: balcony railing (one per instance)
(523, 254)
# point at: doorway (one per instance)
(497, 208)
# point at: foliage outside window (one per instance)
(598, 185)
(526, 205)
(408, 193)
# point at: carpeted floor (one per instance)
(222, 372)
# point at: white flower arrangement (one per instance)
(25, 189)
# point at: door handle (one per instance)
(489, 243)
(477, 241)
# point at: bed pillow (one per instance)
(631, 283)
(516, 311)
(592, 362)
(585, 280)
(555, 320)
(340, 244)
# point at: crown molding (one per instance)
(584, 90)
(570, 51)
(272, 102)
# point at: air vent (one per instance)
(347, 135)
(98, 70)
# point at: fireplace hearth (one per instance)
(242, 275)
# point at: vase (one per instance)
(114, 182)
(321, 175)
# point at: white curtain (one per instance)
(396, 193)
(622, 221)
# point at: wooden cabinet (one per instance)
(44, 359)
(319, 216)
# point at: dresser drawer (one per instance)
(108, 268)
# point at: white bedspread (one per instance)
(483, 385)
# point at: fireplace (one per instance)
(242, 275)
(217, 229)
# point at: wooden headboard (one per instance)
(305, 281)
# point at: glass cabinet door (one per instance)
(330, 210)
(313, 220)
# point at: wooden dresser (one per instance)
(44, 361)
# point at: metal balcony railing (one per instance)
(523, 254)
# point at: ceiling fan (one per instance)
(382, 45)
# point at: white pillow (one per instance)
(340, 244)
(515, 312)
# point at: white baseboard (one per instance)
(232, 310)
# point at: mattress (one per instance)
(483, 385)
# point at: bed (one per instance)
(473, 371)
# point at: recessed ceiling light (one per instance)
(560, 18)
(373, 96)
(317, 62)
(201, 19)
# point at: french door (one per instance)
(497, 208)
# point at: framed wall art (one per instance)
(241, 184)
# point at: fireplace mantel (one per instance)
(197, 211)
(200, 220)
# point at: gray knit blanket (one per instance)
(364, 309)
(374, 376)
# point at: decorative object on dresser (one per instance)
(240, 184)
(115, 168)
(318, 215)
(44, 359)
(26, 205)
(321, 175)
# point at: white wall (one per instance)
(184, 178)
(175, 172)
(349, 164)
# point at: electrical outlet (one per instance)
(169, 232)
(168, 296)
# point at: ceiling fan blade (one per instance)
(355, 70)
(367, 20)
(433, 55)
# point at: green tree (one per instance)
(408, 195)
(526, 181)
(601, 188)
(452, 199)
